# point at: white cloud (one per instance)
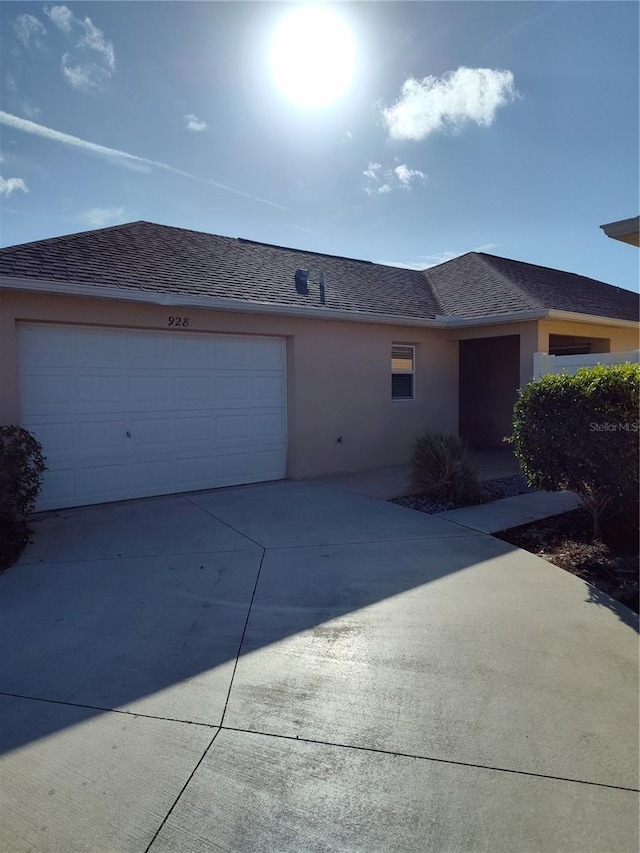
(91, 61)
(29, 29)
(93, 39)
(381, 181)
(121, 158)
(194, 123)
(29, 108)
(371, 171)
(407, 175)
(61, 16)
(83, 76)
(459, 97)
(8, 185)
(98, 217)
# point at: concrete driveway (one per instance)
(290, 667)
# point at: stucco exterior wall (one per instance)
(622, 339)
(338, 376)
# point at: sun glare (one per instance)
(312, 57)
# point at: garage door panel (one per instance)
(96, 348)
(192, 390)
(108, 481)
(233, 427)
(59, 487)
(267, 354)
(58, 437)
(57, 348)
(268, 390)
(154, 350)
(151, 433)
(104, 436)
(155, 474)
(193, 351)
(125, 413)
(194, 429)
(149, 389)
(269, 427)
(233, 354)
(100, 392)
(48, 392)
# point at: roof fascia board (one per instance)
(237, 305)
(213, 303)
(621, 227)
(573, 317)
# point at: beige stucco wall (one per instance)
(338, 376)
(622, 339)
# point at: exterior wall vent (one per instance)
(302, 282)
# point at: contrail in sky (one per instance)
(57, 136)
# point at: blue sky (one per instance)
(510, 128)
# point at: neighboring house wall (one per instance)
(338, 376)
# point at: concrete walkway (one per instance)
(512, 512)
(289, 667)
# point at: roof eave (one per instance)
(574, 317)
(625, 230)
(216, 303)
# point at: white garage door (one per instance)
(125, 414)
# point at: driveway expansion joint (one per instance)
(181, 792)
(399, 754)
(110, 710)
(226, 523)
(244, 631)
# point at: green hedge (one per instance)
(581, 433)
(21, 469)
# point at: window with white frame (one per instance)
(403, 362)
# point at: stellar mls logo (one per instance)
(621, 426)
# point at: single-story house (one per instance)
(149, 359)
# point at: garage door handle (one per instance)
(128, 434)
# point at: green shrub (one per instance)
(21, 469)
(581, 433)
(440, 468)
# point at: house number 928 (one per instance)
(178, 321)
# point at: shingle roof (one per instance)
(142, 256)
(478, 284)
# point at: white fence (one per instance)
(543, 363)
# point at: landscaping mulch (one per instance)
(610, 565)
(492, 490)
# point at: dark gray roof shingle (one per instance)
(143, 256)
(479, 285)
